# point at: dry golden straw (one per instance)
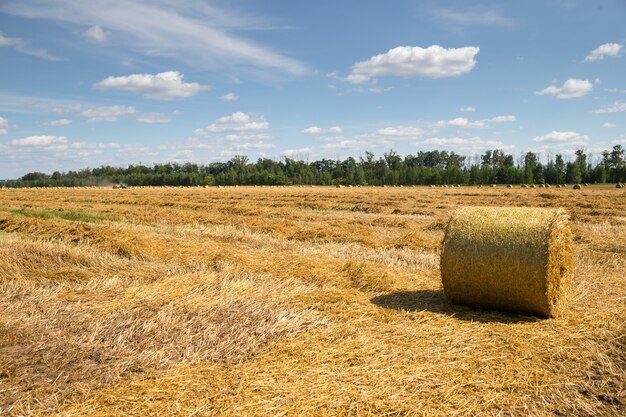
(507, 258)
(278, 301)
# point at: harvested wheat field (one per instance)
(292, 302)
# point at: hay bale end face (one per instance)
(508, 258)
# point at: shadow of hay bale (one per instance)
(435, 301)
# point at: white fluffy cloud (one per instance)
(163, 86)
(468, 109)
(59, 122)
(617, 107)
(501, 119)
(239, 137)
(152, 118)
(569, 137)
(572, 88)
(607, 49)
(406, 61)
(229, 97)
(458, 122)
(473, 144)
(400, 131)
(316, 130)
(297, 152)
(254, 145)
(62, 109)
(41, 140)
(476, 124)
(313, 130)
(608, 125)
(107, 113)
(236, 122)
(95, 33)
(4, 126)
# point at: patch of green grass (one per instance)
(71, 215)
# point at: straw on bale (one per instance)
(577, 187)
(507, 258)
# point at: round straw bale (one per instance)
(507, 258)
(577, 187)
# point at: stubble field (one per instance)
(292, 301)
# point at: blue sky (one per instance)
(88, 83)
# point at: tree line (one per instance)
(424, 168)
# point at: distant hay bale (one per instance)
(493, 186)
(619, 185)
(514, 259)
(532, 186)
(524, 186)
(548, 186)
(558, 186)
(577, 187)
(509, 186)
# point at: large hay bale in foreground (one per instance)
(507, 258)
